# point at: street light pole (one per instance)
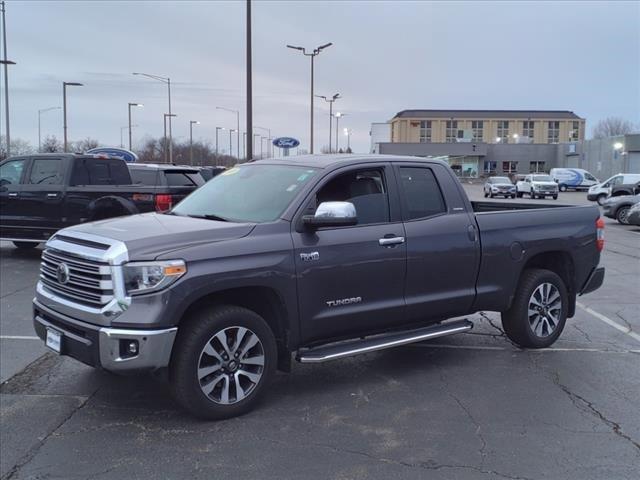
(268, 130)
(40, 112)
(132, 105)
(347, 132)
(217, 130)
(315, 52)
(338, 116)
(191, 124)
(248, 154)
(6, 64)
(166, 80)
(330, 101)
(64, 106)
(122, 129)
(170, 115)
(237, 112)
(231, 130)
(253, 142)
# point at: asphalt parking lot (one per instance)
(471, 406)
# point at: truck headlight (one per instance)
(145, 277)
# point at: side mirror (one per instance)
(332, 214)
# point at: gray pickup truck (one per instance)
(322, 257)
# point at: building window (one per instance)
(574, 134)
(503, 131)
(553, 132)
(477, 126)
(527, 129)
(536, 167)
(490, 167)
(509, 167)
(452, 131)
(425, 131)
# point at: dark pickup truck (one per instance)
(322, 257)
(40, 194)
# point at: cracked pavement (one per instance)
(471, 406)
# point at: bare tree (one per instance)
(18, 147)
(51, 144)
(611, 127)
(84, 145)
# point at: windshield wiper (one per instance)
(210, 217)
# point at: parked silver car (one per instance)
(499, 187)
(633, 218)
(619, 207)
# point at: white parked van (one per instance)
(599, 192)
(573, 178)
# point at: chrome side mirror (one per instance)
(332, 214)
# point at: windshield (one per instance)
(499, 180)
(542, 178)
(247, 193)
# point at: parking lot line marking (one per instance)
(533, 350)
(610, 322)
(18, 337)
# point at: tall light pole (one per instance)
(330, 101)
(40, 112)
(231, 130)
(166, 80)
(253, 142)
(191, 124)
(338, 117)
(122, 129)
(249, 113)
(6, 64)
(64, 106)
(132, 105)
(347, 132)
(170, 116)
(237, 112)
(268, 130)
(315, 52)
(217, 130)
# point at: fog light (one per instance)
(133, 348)
(128, 348)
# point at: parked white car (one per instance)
(599, 192)
(537, 186)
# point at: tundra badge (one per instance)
(310, 257)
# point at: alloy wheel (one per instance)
(544, 309)
(231, 365)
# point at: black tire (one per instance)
(563, 188)
(25, 245)
(515, 321)
(193, 335)
(519, 194)
(555, 197)
(622, 215)
(513, 196)
(491, 195)
(486, 194)
(601, 198)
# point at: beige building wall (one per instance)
(407, 130)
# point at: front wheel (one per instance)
(539, 310)
(601, 198)
(555, 197)
(622, 215)
(25, 245)
(519, 194)
(222, 360)
(486, 194)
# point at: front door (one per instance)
(11, 217)
(351, 279)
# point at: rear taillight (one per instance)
(600, 234)
(163, 203)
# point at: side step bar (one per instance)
(349, 348)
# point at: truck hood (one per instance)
(151, 234)
(502, 185)
(545, 184)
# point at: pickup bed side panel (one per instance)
(509, 239)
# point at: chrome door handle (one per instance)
(13, 194)
(385, 242)
(52, 195)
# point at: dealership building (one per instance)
(478, 143)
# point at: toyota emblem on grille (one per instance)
(62, 273)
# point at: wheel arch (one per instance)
(111, 203)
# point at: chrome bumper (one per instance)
(106, 347)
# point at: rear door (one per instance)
(442, 243)
(12, 175)
(351, 279)
(43, 194)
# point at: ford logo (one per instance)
(62, 273)
(126, 155)
(286, 142)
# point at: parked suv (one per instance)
(171, 183)
(499, 186)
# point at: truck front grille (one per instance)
(83, 281)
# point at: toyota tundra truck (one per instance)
(314, 258)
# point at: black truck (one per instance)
(316, 257)
(40, 194)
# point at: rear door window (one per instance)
(183, 179)
(420, 192)
(11, 172)
(99, 171)
(144, 176)
(46, 172)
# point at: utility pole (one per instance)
(249, 86)
(170, 115)
(191, 124)
(64, 107)
(312, 55)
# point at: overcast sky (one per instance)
(386, 57)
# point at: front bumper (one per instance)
(592, 197)
(105, 347)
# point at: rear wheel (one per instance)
(513, 196)
(519, 194)
(555, 197)
(486, 194)
(563, 188)
(622, 215)
(539, 310)
(25, 245)
(222, 361)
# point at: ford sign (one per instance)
(285, 142)
(126, 155)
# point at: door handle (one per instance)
(390, 241)
(13, 194)
(52, 195)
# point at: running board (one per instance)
(349, 348)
